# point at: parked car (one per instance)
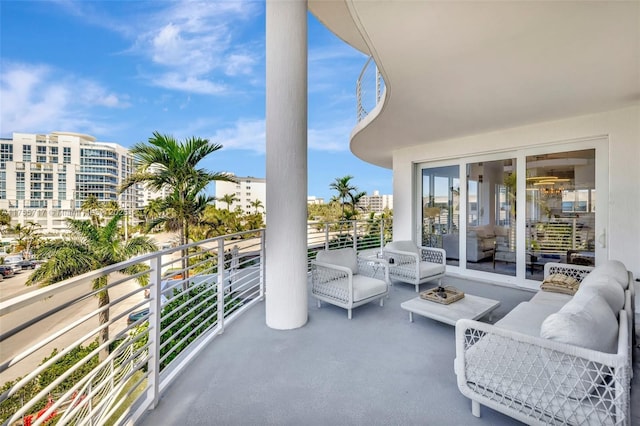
(6, 271)
(27, 264)
(14, 262)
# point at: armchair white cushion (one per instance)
(414, 264)
(344, 279)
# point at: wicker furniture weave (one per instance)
(537, 380)
(342, 278)
(415, 264)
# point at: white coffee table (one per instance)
(469, 307)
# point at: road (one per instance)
(17, 343)
(14, 286)
(14, 345)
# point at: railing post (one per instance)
(355, 235)
(381, 234)
(155, 312)
(326, 236)
(220, 285)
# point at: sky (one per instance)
(120, 70)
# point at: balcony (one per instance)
(207, 356)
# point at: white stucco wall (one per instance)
(620, 127)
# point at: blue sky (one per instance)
(119, 70)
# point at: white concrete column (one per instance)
(286, 126)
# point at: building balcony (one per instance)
(190, 364)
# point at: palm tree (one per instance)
(91, 206)
(344, 189)
(165, 163)
(354, 197)
(91, 247)
(28, 237)
(256, 205)
(229, 199)
(5, 219)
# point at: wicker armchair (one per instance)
(342, 278)
(415, 264)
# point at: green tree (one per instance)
(354, 198)
(229, 199)
(28, 237)
(344, 188)
(88, 248)
(91, 206)
(165, 163)
(348, 195)
(5, 220)
(256, 205)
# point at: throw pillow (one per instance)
(560, 283)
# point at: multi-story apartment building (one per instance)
(376, 202)
(247, 190)
(45, 178)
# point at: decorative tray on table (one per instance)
(443, 295)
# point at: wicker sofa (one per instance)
(557, 359)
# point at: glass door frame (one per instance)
(601, 146)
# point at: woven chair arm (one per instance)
(579, 272)
(433, 255)
(397, 256)
(325, 272)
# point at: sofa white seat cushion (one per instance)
(587, 322)
(346, 257)
(526, 318)
(428, 269)
(363, 287)
(552, 299)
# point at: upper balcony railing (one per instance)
(369, 89)
(64, 357)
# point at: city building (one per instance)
(376, 203)
(247, 192)
(45, 178)
(312, 199)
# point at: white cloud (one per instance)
(189, 84)
(332, 139)
(245, 134)
(36, 98)
(194, 45)
(250, 135)
(239, 64)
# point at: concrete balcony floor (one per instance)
(377, 369)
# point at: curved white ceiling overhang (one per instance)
(454, 69)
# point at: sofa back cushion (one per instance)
(613, 269)
(403, 245)
(587, 322)
(346, 257)
(607, 286)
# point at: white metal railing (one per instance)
(363, 235)
(154, 330)
(369, 88)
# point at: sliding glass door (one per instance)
(519, 211)
(441, 210)
(561, 196)
(491, 216)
